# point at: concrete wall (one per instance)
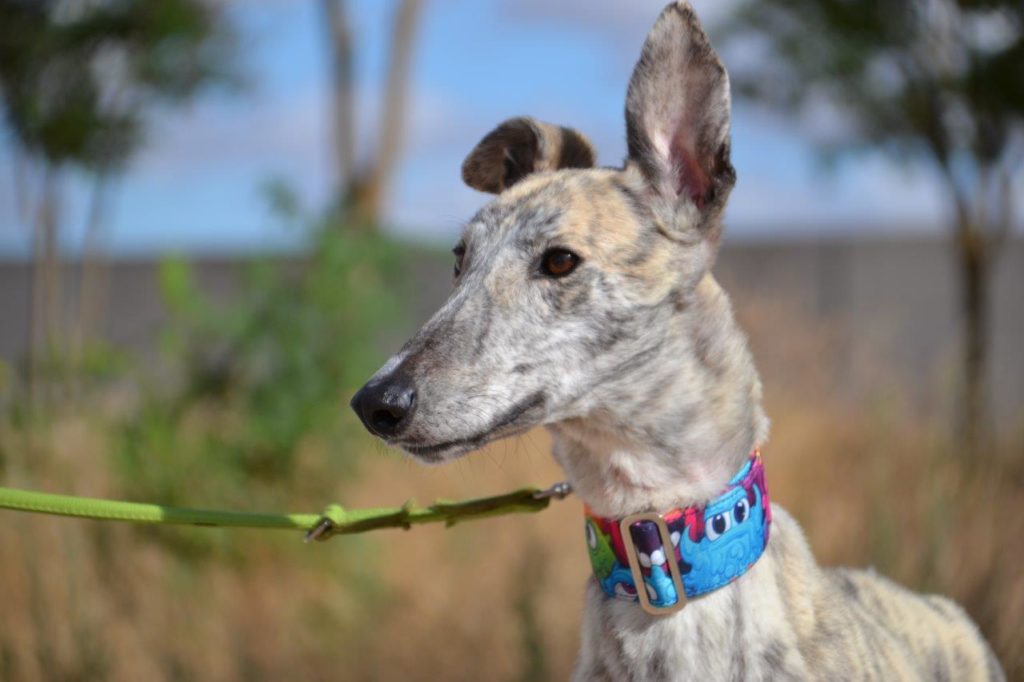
(890, 303)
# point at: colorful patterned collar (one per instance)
(713, 545)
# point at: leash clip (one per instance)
(321, 531)
(558, 491)
(330, 519)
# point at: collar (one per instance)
(713, 544)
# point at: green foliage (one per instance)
(939, 83)
(942, 77)
(252, 397)
(76, 78)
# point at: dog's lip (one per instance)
(436, 451)
(431, 450)
(502, 427)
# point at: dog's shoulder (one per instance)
(861, 625)
(904, 629)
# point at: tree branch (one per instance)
(1001, 226)
(342, 91)
(395, 97)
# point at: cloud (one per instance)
(290, 137)
(217, 135)
(199, 173)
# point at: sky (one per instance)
(196, 185)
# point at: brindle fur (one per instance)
(636, 365)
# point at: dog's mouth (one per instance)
(517, 419)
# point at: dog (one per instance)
(584, 301)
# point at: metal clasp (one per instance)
(670, 559)
(559, 491)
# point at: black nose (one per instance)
(384, 406)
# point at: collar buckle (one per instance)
(670, 559)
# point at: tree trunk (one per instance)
(27, 213)
(342, 96)
(367, 204)
(37, 319)
(46, 294)
(367, 200)
(974, 271)
(92, 288)
(361, 190)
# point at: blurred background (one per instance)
(218, 218)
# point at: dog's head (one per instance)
(569, 283)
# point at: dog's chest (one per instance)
(735, 633)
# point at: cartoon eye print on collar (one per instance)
(741, 511)
(719, 524)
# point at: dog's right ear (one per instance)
(677, 116)
(521, 146)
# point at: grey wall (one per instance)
(888, 303)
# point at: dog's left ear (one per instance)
(521, 146)
(677, 117)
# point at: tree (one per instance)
(360, 187)
(936, 82)
(77, 81)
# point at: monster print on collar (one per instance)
(713, 544)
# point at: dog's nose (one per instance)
(385, 406)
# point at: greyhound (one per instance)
(584, 301)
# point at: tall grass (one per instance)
(873, 482)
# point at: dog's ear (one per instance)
(521, 146)
(677, 116)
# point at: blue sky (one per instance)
(196, 185)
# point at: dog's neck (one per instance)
(630, 456)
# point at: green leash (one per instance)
(333, 521)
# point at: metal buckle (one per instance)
(670, 558)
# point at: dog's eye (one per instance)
(718, 524)
(460, 253)
(741, 511)
(558, 262)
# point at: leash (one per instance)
(334, 520)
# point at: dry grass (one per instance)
(497, 599)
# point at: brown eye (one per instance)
(559, 262)
(460, 252)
